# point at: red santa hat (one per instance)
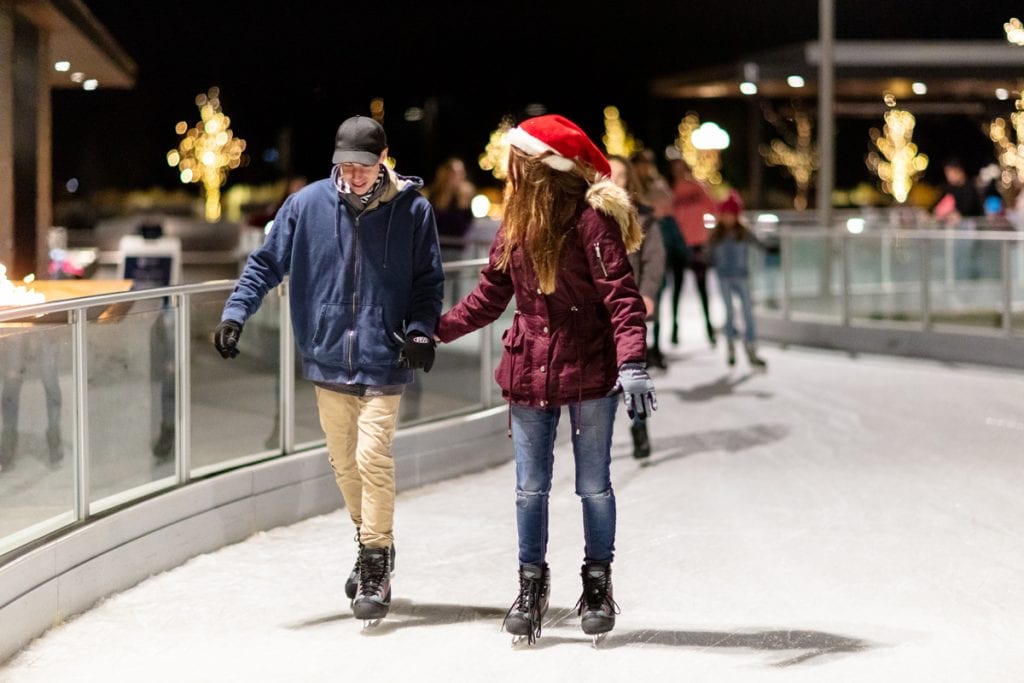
(733, 204)
(564, 139)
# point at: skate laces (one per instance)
(373, 570)
(596, 593)
(529, 594)
(527, 602)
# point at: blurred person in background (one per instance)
(451, 193)
(648, 265)
(730, 251)
(691, 202)
(660, 199)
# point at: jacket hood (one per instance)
(606, 197)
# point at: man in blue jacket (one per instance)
(361, 252)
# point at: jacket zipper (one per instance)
(355, 290)
(597, 250)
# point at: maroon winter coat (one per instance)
(566, 346)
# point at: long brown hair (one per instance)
(541, 204)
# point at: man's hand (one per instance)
(418, 351)
(226, 338)
(637, 389)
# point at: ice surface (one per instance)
(837, 518)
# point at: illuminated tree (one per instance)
(495, 156)
(896, 162)
(700, 146)
(1008, 138)
(795, 151)
(1014, 31)
(617, 139)
(207, 151)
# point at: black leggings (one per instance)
(697, 262)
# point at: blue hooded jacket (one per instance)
(357, 283)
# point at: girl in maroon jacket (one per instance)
(577, 339)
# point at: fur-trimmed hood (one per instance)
(613, 201)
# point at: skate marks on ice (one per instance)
(405, 613)
(562, 628)
(721, 387)
(713, 440)
(799, 645)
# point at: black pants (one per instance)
(698, 264)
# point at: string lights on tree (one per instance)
(495, 156)
(617, 139)
(1014, 31)
(1008, 138)
(207, 151)
(700, 145)
(795, 151)
(896, 162)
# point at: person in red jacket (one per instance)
(577, 339)
(691, 203)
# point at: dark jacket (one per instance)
(649, 262)
(357, 282)
(566, 346)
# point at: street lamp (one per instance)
(700, 146)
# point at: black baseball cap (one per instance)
(359, 140)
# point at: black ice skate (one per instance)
(525, 615)
(373, 597)
(730, 352)
(756, 361)
(641, 442)
(596, 606)
(352, 582)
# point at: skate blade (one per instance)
(526, 641)
(371, 623)
(597, 638)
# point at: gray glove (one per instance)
(637, 389)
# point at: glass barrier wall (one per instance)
(131, 390)
(937, 279)
(108, 399)
(235, 402)
(37, 463)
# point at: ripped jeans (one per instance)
(533, 433)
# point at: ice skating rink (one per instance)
(837, 518)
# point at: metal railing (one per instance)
(930, 279)
(142, 403)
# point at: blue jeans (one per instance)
(740, 286)
(533, 433)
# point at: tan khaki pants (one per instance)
(360, 430)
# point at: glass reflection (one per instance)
(36, 458)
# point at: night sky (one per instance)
(295, 71)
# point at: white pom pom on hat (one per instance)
(564, 139)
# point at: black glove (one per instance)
(637, 389)
(418, 351)
(226, 338)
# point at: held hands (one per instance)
(226, 338)
(418, 351)
(637, 389)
